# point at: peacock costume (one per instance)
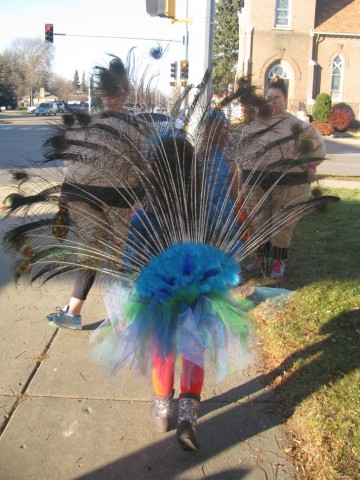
(174, 258)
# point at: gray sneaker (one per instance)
(62, 318)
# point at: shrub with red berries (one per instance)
(340, 119)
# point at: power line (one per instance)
(128, 38)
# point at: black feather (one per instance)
(15, 236)
(83, 118)
(68, 120)
(19, 175)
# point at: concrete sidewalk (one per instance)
(337, 183)
(63, 416)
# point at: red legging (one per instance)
(191, 381)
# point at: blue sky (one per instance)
(113, 18)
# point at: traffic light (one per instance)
(173, 71)
(166, 8)
(184, 69)
(161, 8)
(49, 32)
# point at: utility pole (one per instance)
(210, 13)
(187, 32)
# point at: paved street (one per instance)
(343, 157)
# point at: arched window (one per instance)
(336, 77)
(278, 70)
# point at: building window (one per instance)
(336, 77)
(282, 13)
(278, 71)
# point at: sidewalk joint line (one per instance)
(40, 358)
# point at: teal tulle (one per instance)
(186, 271)
(181, 304)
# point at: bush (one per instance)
(323, 127)
(340, 119)
(322, 107)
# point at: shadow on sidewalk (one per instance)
(234, 424)
(244, 412)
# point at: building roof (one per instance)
(338, 16)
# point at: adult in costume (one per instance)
(278, 157)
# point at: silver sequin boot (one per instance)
(188, 415)
(161, 411)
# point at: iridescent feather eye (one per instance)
(19, 175)
(305, 146)
(83, 118)
(157, 52)
(57, 142)
(68, 120)
(265, 110)
(297, 129)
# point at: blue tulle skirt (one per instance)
(181, 305)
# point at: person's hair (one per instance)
(114, 80)
(214, 129)
(173, 178)
(278, 83)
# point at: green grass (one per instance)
(312, 346)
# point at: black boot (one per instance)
(188, 415)
(161, 411)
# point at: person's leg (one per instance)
(70, 315)
(191, 383)
(90, 228)
(84, 280)
(281, 237)
(163, 384)
(258, 213)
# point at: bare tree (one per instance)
(28, 61)
(61, 87)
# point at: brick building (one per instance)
(313, 44)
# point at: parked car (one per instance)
(162, 120)
(31, 109)
(45, 109)
(134, 107)
(61, 107)
(78, 107)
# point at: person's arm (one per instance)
(314, 147)
(234, 175)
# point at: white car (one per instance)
(31, 109)
(45, 109)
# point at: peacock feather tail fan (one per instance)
(152, 202)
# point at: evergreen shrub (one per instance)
(322, 107)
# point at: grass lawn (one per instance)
(312, 346)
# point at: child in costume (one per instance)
(179, 307)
